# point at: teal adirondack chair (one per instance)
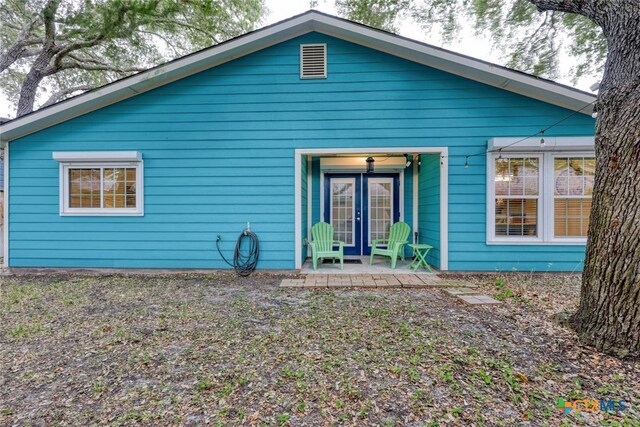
(322, 244)
(398, 237)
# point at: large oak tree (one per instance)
(52, 49)
(598, 35)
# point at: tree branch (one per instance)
(189, 27)
(93, 67)
(589, 8)
(48, 15)
(64, 92)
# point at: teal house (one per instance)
(274, 128)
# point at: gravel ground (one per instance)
(221, 350)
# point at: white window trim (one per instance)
(491, 204)
(550, 196)
(102, 159)
(545, 201)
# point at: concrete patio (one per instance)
(460, 289)
(380, 266)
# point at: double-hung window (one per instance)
(572, 190)
(517, 196)
(539, 197)
(101, 183)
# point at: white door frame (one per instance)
(444, 190)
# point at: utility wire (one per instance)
(541, 132)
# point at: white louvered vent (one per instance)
(313, 61)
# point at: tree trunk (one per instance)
(28, 92)
(608, 317)
(39, 70)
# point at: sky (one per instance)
(468, 43)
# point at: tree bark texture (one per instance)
(608, 317)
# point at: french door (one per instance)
(361, 208)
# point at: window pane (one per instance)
(84, 188)
(502, 177)
(130, 188)
(573, 176)
(571, 217)
(516, 217)
(119, 188)
(342, 195)
(380, 210)
(516, 177)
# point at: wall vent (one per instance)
(313, 61)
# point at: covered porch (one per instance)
(361, 192)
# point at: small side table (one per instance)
(420, 252)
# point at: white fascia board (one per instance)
(97, 156)
(457, 64)
(557, 143)
(450, 62)
(156, 77)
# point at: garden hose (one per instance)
(243, 264)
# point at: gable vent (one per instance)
(313, 61)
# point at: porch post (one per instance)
(444, 209)
(297, 176)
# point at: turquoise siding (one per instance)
(219, 148)
(429, 206)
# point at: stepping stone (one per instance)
(292, 283)
(478, 299)
(460, 291)
(458, 284)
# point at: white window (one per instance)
(516, 197)
(101, 183)
(539, 198)
(572, 190)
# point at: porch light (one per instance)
(370, 161)
(542, 140)
(408, 157)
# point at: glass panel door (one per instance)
(381, 207)
(343, 192)
(342, 210)
(380, 201)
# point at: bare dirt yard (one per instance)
(221, 350)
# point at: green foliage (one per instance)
(504, 291)
(383, 14)
(98, 41)
(529, 40)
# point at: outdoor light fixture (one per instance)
(542, 143)
(408, 157)
(466, 162)
(370, 161)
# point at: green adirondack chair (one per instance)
(398, 237)
(322, 244)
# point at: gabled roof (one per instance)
(311, 21)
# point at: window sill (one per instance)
(102, 213)
(538, 242)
